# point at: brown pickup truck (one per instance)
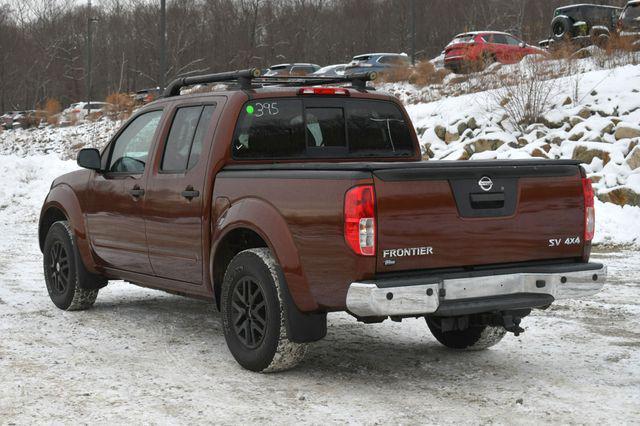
(282, 199)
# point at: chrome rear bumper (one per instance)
(431, 294)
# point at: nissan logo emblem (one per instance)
(485, 183)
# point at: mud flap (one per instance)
(301, 327)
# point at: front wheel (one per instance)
(254, 314)
(70, 286)
(474, 338)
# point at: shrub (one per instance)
(52, 110)
(422, 74)
(526, 95)
(120, 106)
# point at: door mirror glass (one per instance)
(89, 158)
(522, 44)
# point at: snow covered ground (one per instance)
(142, 356)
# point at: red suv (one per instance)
(477, 50)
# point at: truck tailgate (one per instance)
(477, 213)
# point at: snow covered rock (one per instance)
(621, 196)
(586, 155)
(627, 131)
(633, 159)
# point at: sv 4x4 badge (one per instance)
(571, 241)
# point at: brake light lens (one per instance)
(589, 210)
(360, 220)
(326, 91)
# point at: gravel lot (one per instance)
(145, 356)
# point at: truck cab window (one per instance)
(184, 143)
(131, 150)
(270, 129)
(325, 127)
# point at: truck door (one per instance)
(114, 211)
(174, 199)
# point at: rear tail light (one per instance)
(589, 210)
(327, 91)
(360, 220)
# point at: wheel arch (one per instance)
(258, 224)
(63, 204)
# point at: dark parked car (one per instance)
(583, 24)
(281, 204)
(378, 62)
(629, 23)
(22, 119)
(331, 71)
(292, 70)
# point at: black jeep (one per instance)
(583, 24)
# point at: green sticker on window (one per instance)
(250, 109)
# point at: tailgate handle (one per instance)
(487, 201)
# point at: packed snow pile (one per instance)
(601, 130)
(63, 141)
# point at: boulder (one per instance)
(585, 113)
(633, 159)
(462, 126)
(608, 129)
(538, 153)
(472, 123)
(451, 137)
(440, 131)
(622, 196)
(420, 131)
(626, 132)
(567, 101)
(427, 154)
(576, 136)
(575, 120)
(595, 178)
(552, 124)
(482, 145)
(557, 140)
(586, 155)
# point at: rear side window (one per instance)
(287, 128)
(185, 140)
(462, 39)
(377, 129)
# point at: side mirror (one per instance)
(89, 158)
(523, 44)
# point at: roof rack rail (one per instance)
(247, 78)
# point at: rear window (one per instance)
(294, 128)
(462, 39)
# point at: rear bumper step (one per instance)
(487, 291)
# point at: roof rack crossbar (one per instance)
(246, 78)
(243, 77)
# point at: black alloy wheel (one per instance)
(59, 268)
(250, 312)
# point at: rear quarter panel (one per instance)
(320, 266)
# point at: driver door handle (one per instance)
(136, 192)
(189, 193)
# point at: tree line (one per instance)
(43, 42)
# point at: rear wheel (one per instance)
(70, 286)
(473, 338)
(254, 314)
